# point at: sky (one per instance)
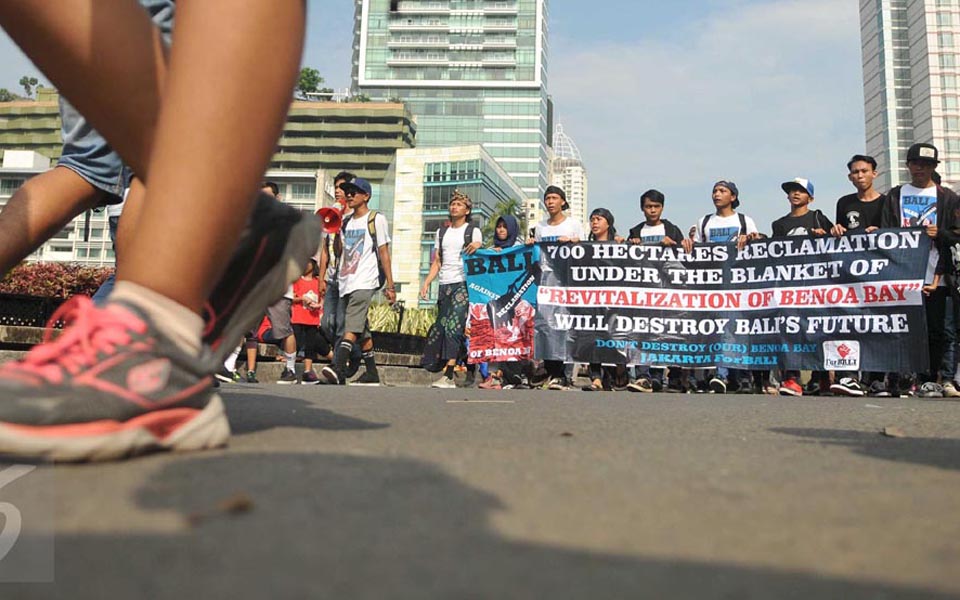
(675, 96)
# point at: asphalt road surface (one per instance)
(418, 493)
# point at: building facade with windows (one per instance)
(319, 140)
(425, 180)
(471, 71)
(911, 82)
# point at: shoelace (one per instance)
(89, 331)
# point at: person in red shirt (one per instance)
(306, 312)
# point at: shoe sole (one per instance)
(639, 390)
(717, 388)
(845, 392)
(175, 430)
(281, 382)
(786, 392)
(302, 243)
(365, 384)
(330, 375)
(225, 379)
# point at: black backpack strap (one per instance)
(743, 224)
(703, 228)
(440, 234)
(468, 235)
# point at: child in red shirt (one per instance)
(306, 312)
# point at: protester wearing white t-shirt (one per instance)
(923, 203)
(361, 263)
(447, 341)
(724, 225)
(557, 227)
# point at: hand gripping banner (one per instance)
(503, 295)
(819, 303)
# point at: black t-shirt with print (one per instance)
(803, 225)
(854, 213)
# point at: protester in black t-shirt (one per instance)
(799, 221)
(860, 211)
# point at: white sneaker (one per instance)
(950, 390)
(444, 383)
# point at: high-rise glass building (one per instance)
(910, 83)
(569, 173)
(470, 71)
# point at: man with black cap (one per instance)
(923, 203)
(724, 225)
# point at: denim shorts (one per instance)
(84, 150)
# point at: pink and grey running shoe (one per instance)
(110, 386)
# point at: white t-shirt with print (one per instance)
(451, 269)
(653, 235)
(568, 228)
(358, 266)
(918, 208)
(724, 229)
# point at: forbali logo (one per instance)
(841, 355)
(12, 519)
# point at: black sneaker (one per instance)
(718, 385)
(675, 386)
(110, 386)
(370, 378)
(287, 377)
(252, 377)
(468, 382)
(228, 376)
(878, 389)
(272, 252)
(331, 376)
(848, 386)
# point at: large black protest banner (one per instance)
(839, 304)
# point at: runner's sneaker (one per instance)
(111, 385)
(558, 384)
(288, 377)
(444, 383)
(370, 378)
(718, 385)
(878, 389)
(331, 375)
(790, 387)
(490, 383)
(227, 376)
(675, 386)
(848, 386)
(930, 390)
(950, 390)
(641, 384)
(309, 378)
(271, 253)
(252, 377)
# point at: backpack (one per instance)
(372, 230)
(467, 238)
(703, 226)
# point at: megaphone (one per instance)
(332, 217)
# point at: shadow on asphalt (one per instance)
(337, 526)
(934, 452)
(249, 413)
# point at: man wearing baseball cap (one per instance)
(923, 203)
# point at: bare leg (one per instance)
(130, 217)
(44, 205)
(209, 155)
(205, 154)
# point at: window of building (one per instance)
(944, 19)
(945, 40)
(948, 82)
(94, 252)
(9, 185)
(303, 191)
(952, 123)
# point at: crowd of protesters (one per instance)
(921, 202)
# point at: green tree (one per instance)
(507, 207)
(28, 84)
(359, 98)
(8, 96)
(309, 83)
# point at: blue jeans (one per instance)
(334, 312)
